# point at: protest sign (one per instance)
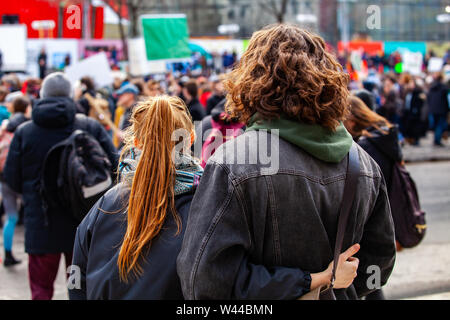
(96, 67)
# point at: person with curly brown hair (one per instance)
(264, 227)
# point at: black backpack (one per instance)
(409, 219)
(75, 174)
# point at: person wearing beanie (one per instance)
(127, 97)
(53, 119)
(56, 85)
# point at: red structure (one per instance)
(53, 18)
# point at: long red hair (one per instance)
(153, 123)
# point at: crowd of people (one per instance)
(416, 103)
(197, 226)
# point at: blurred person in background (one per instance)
(379, 139)
(21, 112)
(87, 86)
(12, 82)
(205, 92)
(42, 63)
(9, 101)
(127, 97)
(438, 107)
(413, 125)
(389, 100)
(4, 113)
(377, 136)
(154, 88)
(217, 95)
(190, 93)
(141, 85)
(366, 96)
(217, 128)
(31, 87)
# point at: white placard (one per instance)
(13, 45)
(435, 64)
(412, 62)
(96, 67)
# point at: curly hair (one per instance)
(288, 70)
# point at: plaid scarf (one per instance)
(187, 176)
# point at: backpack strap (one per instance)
(351, 182)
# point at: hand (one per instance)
(346, 268)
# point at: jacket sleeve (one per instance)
(13, 166)
(77, 280)
(378, 250)
(214, 263)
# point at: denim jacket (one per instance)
(258, 228)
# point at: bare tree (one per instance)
(277, 8)
(134, 8)
(117, 6)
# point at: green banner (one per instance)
(166, 36)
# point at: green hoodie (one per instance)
(320, 142)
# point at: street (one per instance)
(418, 272)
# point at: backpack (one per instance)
(5, 142)
(76, 172)
(221, 133)
(409, 219)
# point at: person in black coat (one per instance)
(217, 95)
(389, 100)
(190, 93)
(414, 126)
(379, 139)
(438, 107)
(127, 245)
(53, 120)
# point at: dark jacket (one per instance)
(255, 233)
(212, 102)
(384, 149)
(15, 121)
(196, 109)
(52, 122)
(83, 104)
(97, 247)
(437, 99)
(390, 107)
(206, 121)
(413, 122)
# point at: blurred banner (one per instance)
(370, 47)
(402, 46)
(166, 36)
